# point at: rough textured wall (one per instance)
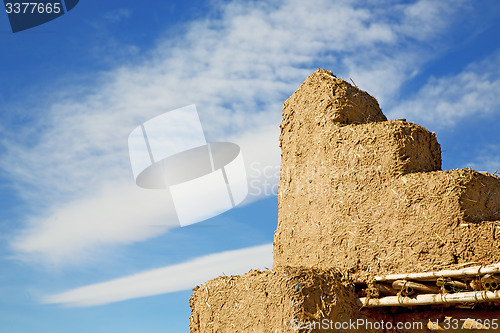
(277, 300)
(304, 300)
(368, 197)
(358, 195)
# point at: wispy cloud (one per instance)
(118, 213)
(237, 69)
(168, 279)
(446, 101)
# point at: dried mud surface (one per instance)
(308, 300)
(358, 196)
(370, 198)
(271, 301)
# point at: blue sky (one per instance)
(83, 249)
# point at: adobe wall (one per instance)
(358, 196)
(302, 300)
(280, 300)
(369, 198)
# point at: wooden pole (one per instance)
(385, 289)
(418, 287)
(428, 299)
(427, 276)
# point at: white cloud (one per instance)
(446, 101)
(237, 69)
(418, 15)
(168, 279)
(118, 213)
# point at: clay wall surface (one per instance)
(308, 300)
(358, 196)
(271, 301)
(369, 198)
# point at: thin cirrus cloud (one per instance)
(445, 102)
(237, 69)
(76, 231)
(168, 279)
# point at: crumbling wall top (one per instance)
(331, 101)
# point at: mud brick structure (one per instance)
(367, 196)
(358, 196)
(271, 301)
